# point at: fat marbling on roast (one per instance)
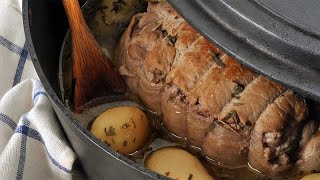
(233, 114)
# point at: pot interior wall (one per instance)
(48, 26)
(45, 26)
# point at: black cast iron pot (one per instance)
(278, 39)
(45, 27)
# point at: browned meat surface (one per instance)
(174, 110)
(212, 94)
(276, 136)
(238, 118)
(227, 145)
(145, 59)
(308, 131)
(309, 155)
(208, 97)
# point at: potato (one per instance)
(176, 163)
(125, 129)
(315, 176)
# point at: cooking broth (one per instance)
(107, 32)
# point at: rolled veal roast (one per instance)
(234, 115)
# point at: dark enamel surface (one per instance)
(279, 39)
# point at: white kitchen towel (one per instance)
(32, 142)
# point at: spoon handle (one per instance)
(78, 26)
(92, 70)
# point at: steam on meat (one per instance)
(209, 98)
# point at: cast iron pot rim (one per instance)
(66, 111)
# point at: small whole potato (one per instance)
(176, 163)
(125, 129)
(314, 176)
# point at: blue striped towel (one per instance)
(32, 142)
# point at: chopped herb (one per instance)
(167, 173)
(190, 176)
(235, 117)
(237, 90)
(238, 104)
(110, 132)
(134, 140)
(157, 71)
(164, 33)
(228, 126)
(107, 143)
(124, 143)
(125, 125)
(226, 117)
(172, 39)
(236, 96)
(118, 5)
(217, 60)
(282, 151)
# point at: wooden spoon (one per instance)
(92, 70)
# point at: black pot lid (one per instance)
(278, 38)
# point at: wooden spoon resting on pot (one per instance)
(92, 70)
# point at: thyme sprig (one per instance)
(217, 60)
(236, 120)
